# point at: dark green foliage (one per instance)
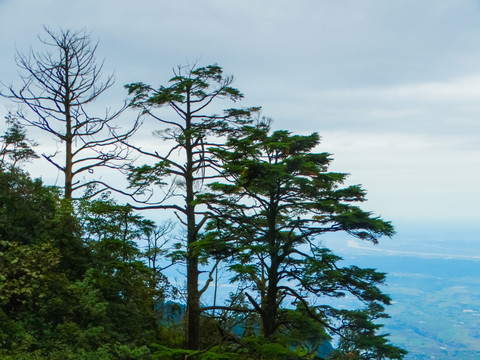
(75, 284)
(182, 170)
(358, 336)
(68, 291)
(27, 208)
(16, 148)
(280, 199)
(118, 270)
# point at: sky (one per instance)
(393, 87)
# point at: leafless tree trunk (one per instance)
(57, 85)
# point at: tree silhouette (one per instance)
(57, 87)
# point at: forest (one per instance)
(85, 274)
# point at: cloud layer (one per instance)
(393, 87)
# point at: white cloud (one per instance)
(354, 244)
(393, 87)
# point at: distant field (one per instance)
(436, 303)
(436, 311)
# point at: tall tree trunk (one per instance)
(193, 302)
(193, 295)
(68, 132)
(68, 169)
(270, 307)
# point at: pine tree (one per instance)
(269, 220)
(181, 171)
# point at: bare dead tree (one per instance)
(57, 85)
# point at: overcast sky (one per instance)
(393, 87)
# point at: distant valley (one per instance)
(436, 310)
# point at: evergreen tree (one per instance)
(269, 222)
(112, 233)
(72, 287)
(16, 147)
(180, 171)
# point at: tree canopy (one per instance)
(182, 171)
(92, 278)
(269, 220)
